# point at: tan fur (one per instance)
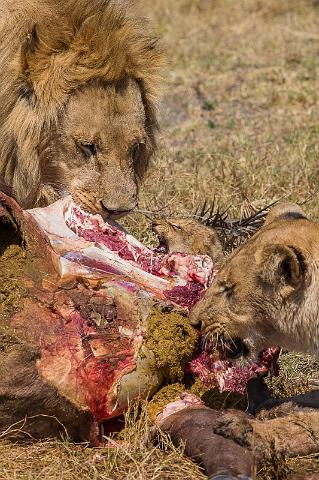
(267, 293)
(187, 235)
(73, 73)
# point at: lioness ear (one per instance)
(285, 211)
(282, 267)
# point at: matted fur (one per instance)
(48, 50)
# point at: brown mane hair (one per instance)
(50, 48)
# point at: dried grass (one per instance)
(132, 456)
(299, 373)
(240, 114)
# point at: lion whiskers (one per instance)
(229, 337)
(92, 205)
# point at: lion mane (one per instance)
(49, 49)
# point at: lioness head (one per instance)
(77, 102)
(267, 293)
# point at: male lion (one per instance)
(267, 293)
(78, 84)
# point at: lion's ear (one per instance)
(281, 267)
(28, 48)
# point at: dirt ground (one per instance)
(240, 121)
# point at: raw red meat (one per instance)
(229, 377)
(91, 247)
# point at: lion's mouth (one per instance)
(113, 214)
(162, 247)
(97, 207)
(235, 349)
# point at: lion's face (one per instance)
(263, 294)
(100, 149)
(228, 310)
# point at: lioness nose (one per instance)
(195, 320)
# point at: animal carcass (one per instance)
(77, 295)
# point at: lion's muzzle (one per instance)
(117, 213)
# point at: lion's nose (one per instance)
(121, 211)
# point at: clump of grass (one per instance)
(130, 456)
(298, 374)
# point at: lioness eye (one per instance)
(89, 149)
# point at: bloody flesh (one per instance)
(104, 247)
(191, 276)
(84, 308)
(214, 370)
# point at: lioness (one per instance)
(267, 293)
(78, 84)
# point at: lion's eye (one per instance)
(89, 149)
(138, 152)
(228, 290)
